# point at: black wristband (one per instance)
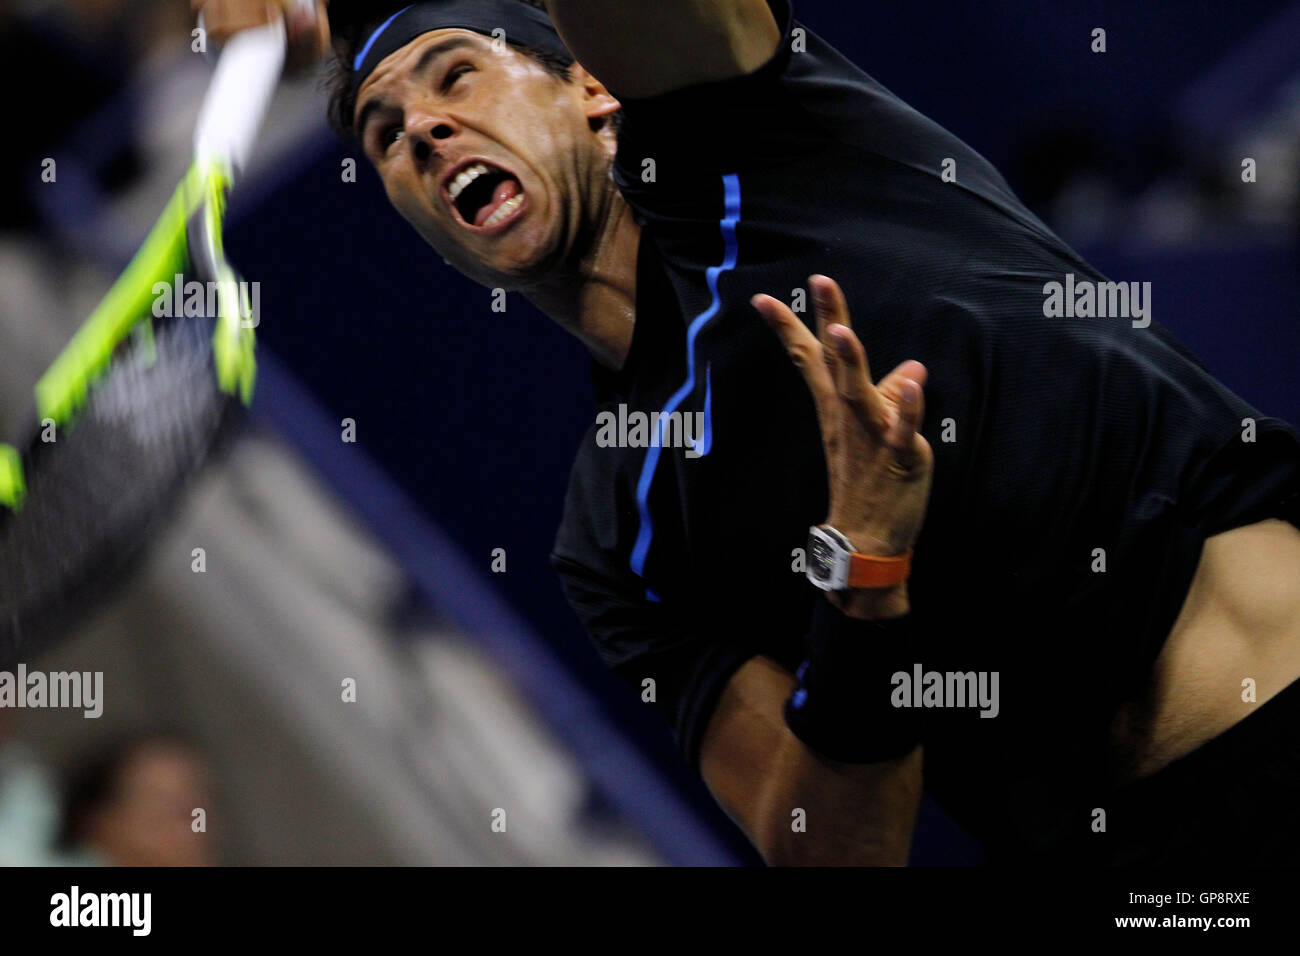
(843, 707)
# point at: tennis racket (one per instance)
(130, 408)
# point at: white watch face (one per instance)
(828, 561)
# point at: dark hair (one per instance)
(348, 20)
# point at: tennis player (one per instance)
(1064, 599)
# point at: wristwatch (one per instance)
(833, 565)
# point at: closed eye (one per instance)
(454, 74)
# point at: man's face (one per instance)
(490, 158)
(148, 821)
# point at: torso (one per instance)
(1240, 620)
(1073, 455)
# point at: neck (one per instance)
(597, 301)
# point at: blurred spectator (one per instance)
(135, 805)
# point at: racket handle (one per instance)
(238, 96)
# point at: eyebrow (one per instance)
(427, 58)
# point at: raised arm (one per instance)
(644, 49)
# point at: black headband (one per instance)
(520, 22)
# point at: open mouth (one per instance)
(484, 195)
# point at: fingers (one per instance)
(905, 387)
(309, 31)
(834, 363)
(306, 23)
(853, 381)
(830, 307)
(902, 436)
(828, 300)
(307, 28)
(891, 386)
(802, 346)
(827, 310)
(850, 368)
(224, 18)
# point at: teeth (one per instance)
(504, 210)
(464, 179)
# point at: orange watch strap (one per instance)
(870, 572)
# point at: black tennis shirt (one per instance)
(1059, 443)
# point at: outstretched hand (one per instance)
(878, 463)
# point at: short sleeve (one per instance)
(640, 642)
(677, 139)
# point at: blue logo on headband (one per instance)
(361, 57)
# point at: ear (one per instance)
(598, 102)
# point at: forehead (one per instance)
(414, 55)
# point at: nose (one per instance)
(425, 131)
